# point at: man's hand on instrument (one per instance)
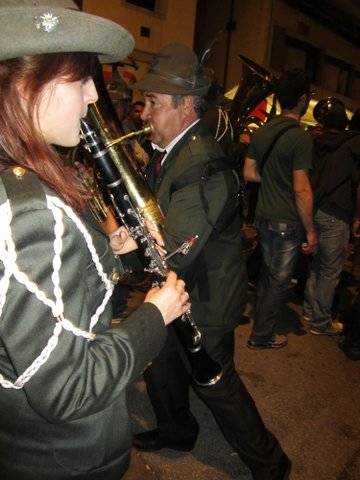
(121, 242)
(154, 232)
(171, 298)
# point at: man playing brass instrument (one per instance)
(197, 192)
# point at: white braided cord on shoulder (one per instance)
(8, 257)
(5, 216)
(223, 116)
(108, 284)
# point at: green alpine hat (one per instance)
(175, 71)
(32, 27)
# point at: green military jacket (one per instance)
(214, 268)
(70, 419)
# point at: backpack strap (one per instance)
(272, 145)
(201, 174)
(198, 173)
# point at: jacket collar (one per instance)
(176, 148)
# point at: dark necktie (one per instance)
(157, 159)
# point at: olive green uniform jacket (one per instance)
(214, 269)
(70, 420)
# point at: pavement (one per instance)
(308, 394)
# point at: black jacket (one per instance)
(336, 167)
(214, 268)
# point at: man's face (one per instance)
(166, 119)
(135, 114)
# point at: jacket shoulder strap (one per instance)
(22, 188)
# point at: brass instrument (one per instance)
(136, 205)
(97, 204)
(133, 181)
(256, 85)
(146, 130)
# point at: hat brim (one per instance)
(75, 32)
(156, 84)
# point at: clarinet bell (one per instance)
(205, 371)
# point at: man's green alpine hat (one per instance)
(32, 27)
(175, 71)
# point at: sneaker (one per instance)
(277, 341)
(333, 329)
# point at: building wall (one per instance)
(279, 37)
(252, 35)
(245, 27)
(258, 29)
(299, 41)
(294, 21)
(174, 22)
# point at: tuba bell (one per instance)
(257, 84)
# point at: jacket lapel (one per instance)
(174, 152)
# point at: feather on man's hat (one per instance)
(32, 27)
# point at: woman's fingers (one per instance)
(121, 242)
(171, 299)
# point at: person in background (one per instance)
(335, 177)
(350, 343)
(135, 114)
(140, 145)
(279, 156)
(198, 192)
(63, 369)
(354, 126)
(120, 95)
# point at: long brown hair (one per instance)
(20, 142)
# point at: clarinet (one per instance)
(205, 371)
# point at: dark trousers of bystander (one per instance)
(325, 268)
(280, 245)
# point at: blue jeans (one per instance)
(280, 244)
(325, 268)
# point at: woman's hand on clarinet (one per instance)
(121, 242)
(171, 298)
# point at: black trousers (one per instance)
(234, 410)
